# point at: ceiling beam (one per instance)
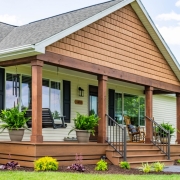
(87, 67)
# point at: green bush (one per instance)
(101, 165)
(158, 167)
(178, 161)
(46, 164)
(84, 122)
(146, 168)
(13, 119)
(124, 165)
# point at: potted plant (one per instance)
(163, 135)
(84, 125)
(15, 121)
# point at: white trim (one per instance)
(158, 33)
(81, 25)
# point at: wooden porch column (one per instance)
(36, 136)
(149, 113)
(102, 92)
(178, 117)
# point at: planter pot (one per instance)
(16, 135)
(164, 140)
(82, 136)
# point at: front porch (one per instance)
(108, 83)
(26, 152)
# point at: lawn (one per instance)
(19, 175)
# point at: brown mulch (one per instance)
(112, 169)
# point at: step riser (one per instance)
(136, 147)
(145, 159)
(139, 153)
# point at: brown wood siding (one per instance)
(118, 41)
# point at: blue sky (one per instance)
(164, 13)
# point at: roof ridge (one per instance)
(71, 11)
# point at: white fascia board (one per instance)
(19, 52)
(81, 25)
(158, 33)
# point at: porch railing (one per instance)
(116, 136)
(161, 138)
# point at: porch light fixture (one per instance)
(81, 92)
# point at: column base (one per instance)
(177, 141)
(101, 140)
(36, 138)
(147, 141)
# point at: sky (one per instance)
(164, 13)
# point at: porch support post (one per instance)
(178, 117)
(149, 113)
(102, 92)
(36, 67)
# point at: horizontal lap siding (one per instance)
(164, 110)
(119, 41)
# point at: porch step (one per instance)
(138, 154)
(137, 151)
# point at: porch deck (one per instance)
(26, 152)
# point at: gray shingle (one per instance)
(5, 29)
(40, 30)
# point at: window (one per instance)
(11, 100)
(93, 100)
(26, 98)
(134, 107)
(51, 94)
(45, 93)
(118, 108)
(55, 97)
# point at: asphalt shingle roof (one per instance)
(38, 31)
(5, 29)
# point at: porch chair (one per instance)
(47, 119)
(136, 134)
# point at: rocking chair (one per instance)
(136, 134)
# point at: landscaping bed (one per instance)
(112, 169)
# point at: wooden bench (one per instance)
(47, 119)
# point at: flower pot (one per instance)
(82, 136)
(164, 140)
(16, 135)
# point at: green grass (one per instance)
(19, 175)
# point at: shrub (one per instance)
(10, 165)
(124, 165)
(101, 165)
(46, 164)
(77, 166)
(158, 167)
(146, 168)
(178, 161)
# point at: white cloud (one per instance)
(169, 16)
(170, 34)
(178, 3)
(9, 19)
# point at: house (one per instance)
(112, 51)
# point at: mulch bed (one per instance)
(112, 169)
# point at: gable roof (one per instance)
(5, 29)
(31, 39)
